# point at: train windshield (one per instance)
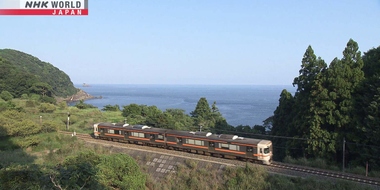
(266, 150)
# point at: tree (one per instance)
(131, 109)
(5, 95)
(42, 88)
(111, 108)
(282, 123)
(202, 109)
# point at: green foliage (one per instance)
(332, 103)
(29, 104)
(48, 99)
(131, 109)
(24, 96)
(13, 123)
(250, 177)
(47, 108)
(62, 105)
(50, 126)
(5, 95)
(111, 108)
(82, 105)
(120, 171)
(22, 177)
(202, 109)
(24, 70)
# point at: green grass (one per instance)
(323, 164)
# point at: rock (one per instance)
(81, 95)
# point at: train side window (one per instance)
(117, 132)
(142, 135)
(152, 136)
(161, 137)
(101, 130)
(249, 149)
(179, 139)
(234, 147)
(212, 144)
(198, 142)
(224, 146)
(111, 131)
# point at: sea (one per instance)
(239, 104)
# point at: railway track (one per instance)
(274, 167)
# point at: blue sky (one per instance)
(193, 42)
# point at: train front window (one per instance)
(266, 151)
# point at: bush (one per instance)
(47, 99)
(30, 104)
(120, 171)
(23, 128)
(22, 177)
(24, 96)
(50, 126)
(29, 141)
(62, 105)
(111, 108)
(35, 96)
(46, 108)
(82, 105)
(5, 95)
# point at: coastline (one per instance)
(80, 95)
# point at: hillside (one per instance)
(19, 71)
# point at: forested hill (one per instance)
(21, 73)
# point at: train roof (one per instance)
(197, 134)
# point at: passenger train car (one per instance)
(202, 142)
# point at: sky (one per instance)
(200, 42)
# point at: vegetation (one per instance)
(21, 73)
(332, 103)
(191, 176)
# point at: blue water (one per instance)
(246, 105)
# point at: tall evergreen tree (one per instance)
(311, 69)
(282, 124)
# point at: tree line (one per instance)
(333, 103)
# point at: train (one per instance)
(220, 145)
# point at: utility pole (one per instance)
(68, 120)
(200, 128)
(344, 151)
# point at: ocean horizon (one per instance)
(239, 104)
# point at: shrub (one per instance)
(62, 105)
(46, 108)
(29, 141)
(50, 126)
(35, 96)
(30, 104)
(23, 128)
(24, 96)
(5, 95)
(111, 108)
(47, 99)
(120, 171)
(82, 105)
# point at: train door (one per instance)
(152, 138)
(179, 141)
(249, 151)
(211, 146)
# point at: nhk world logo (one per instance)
(50, 7)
